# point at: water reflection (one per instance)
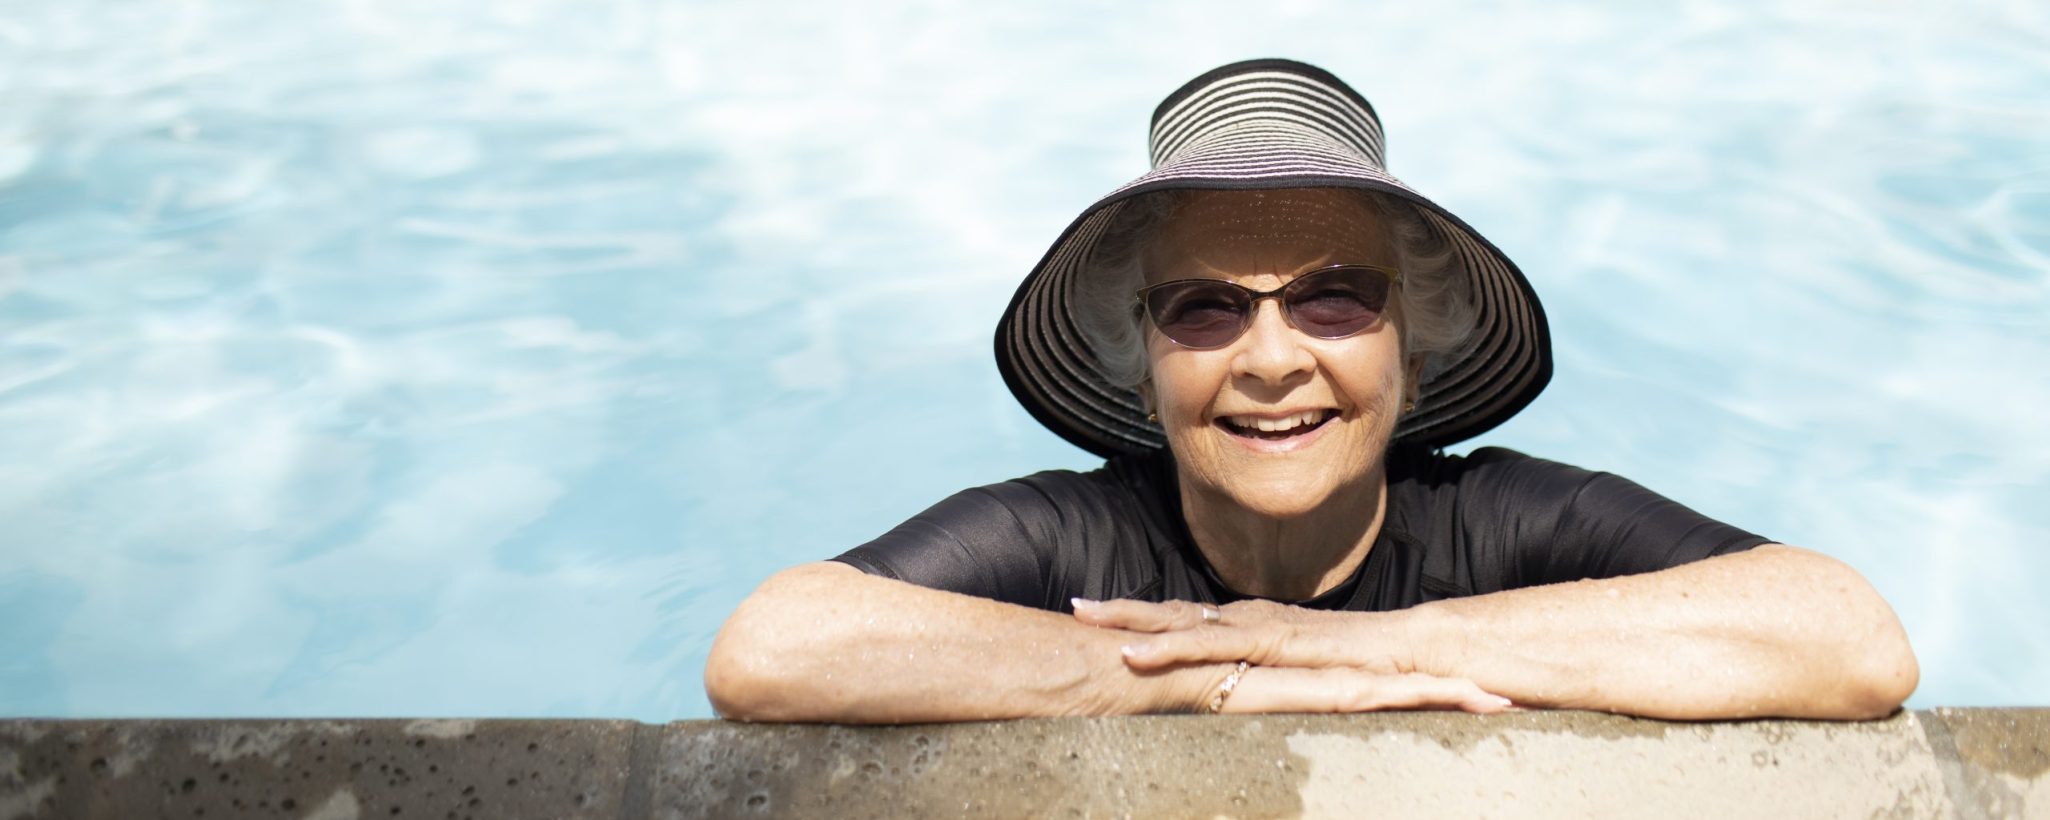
(375, 358)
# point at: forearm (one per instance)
(827, 642)
(1774, 631)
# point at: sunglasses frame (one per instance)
(1278, 294)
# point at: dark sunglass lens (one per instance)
(1337, 303)
(1198, 314)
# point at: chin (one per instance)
(1275, 485)
(1280, 497)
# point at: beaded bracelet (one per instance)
(1231, 682)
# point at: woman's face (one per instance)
(1213, 402)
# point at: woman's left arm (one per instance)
(1774, 631)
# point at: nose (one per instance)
(1271, 350)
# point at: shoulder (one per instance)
(1058, 489)
(1035, 541)
(1050, 501)
(1488, 470)
(1521, 520)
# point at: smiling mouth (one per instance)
(1276, 429)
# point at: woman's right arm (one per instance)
(827, 642)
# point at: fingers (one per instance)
(1183, 633)
(1260, 632)
(1267, 689)
(1266, 645)
(1142, 616)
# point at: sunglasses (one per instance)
(1328, 303)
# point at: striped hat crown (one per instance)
(1233, 127)
(1263, 125)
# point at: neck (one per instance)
(1292, 558)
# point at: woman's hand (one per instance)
(1286, 689)
(1260, 632)
(1304, 660)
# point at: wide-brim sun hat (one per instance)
(1264, 125)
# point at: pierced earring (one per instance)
(1153, 417)
(1409, 406)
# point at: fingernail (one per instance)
(1083, 603)
(1133, 650)
(1501, 702)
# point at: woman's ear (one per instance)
(1146, 400)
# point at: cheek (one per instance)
(1372, 379)
(1180, 383)
(1391, 384)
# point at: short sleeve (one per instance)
(1558, 523)
(996, 542)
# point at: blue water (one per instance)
(476, 358)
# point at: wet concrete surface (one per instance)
(1940, 763)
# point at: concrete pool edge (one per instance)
(1970, 763)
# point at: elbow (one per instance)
(1880, 678)
(1848, 658)
(741, 678)
(1877, 670)
(735, 695)
(762, 666)
(731, 683)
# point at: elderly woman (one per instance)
(1270, 338)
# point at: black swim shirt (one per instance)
(1456, 526)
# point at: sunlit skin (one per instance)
(1278, 518)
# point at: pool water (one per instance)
(367, 357)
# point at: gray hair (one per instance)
(1435, 297)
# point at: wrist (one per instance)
(1379, 642)
(1115, 688)
(1433, 641)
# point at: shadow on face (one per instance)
(1276, 422)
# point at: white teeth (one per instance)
(1267, 425)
